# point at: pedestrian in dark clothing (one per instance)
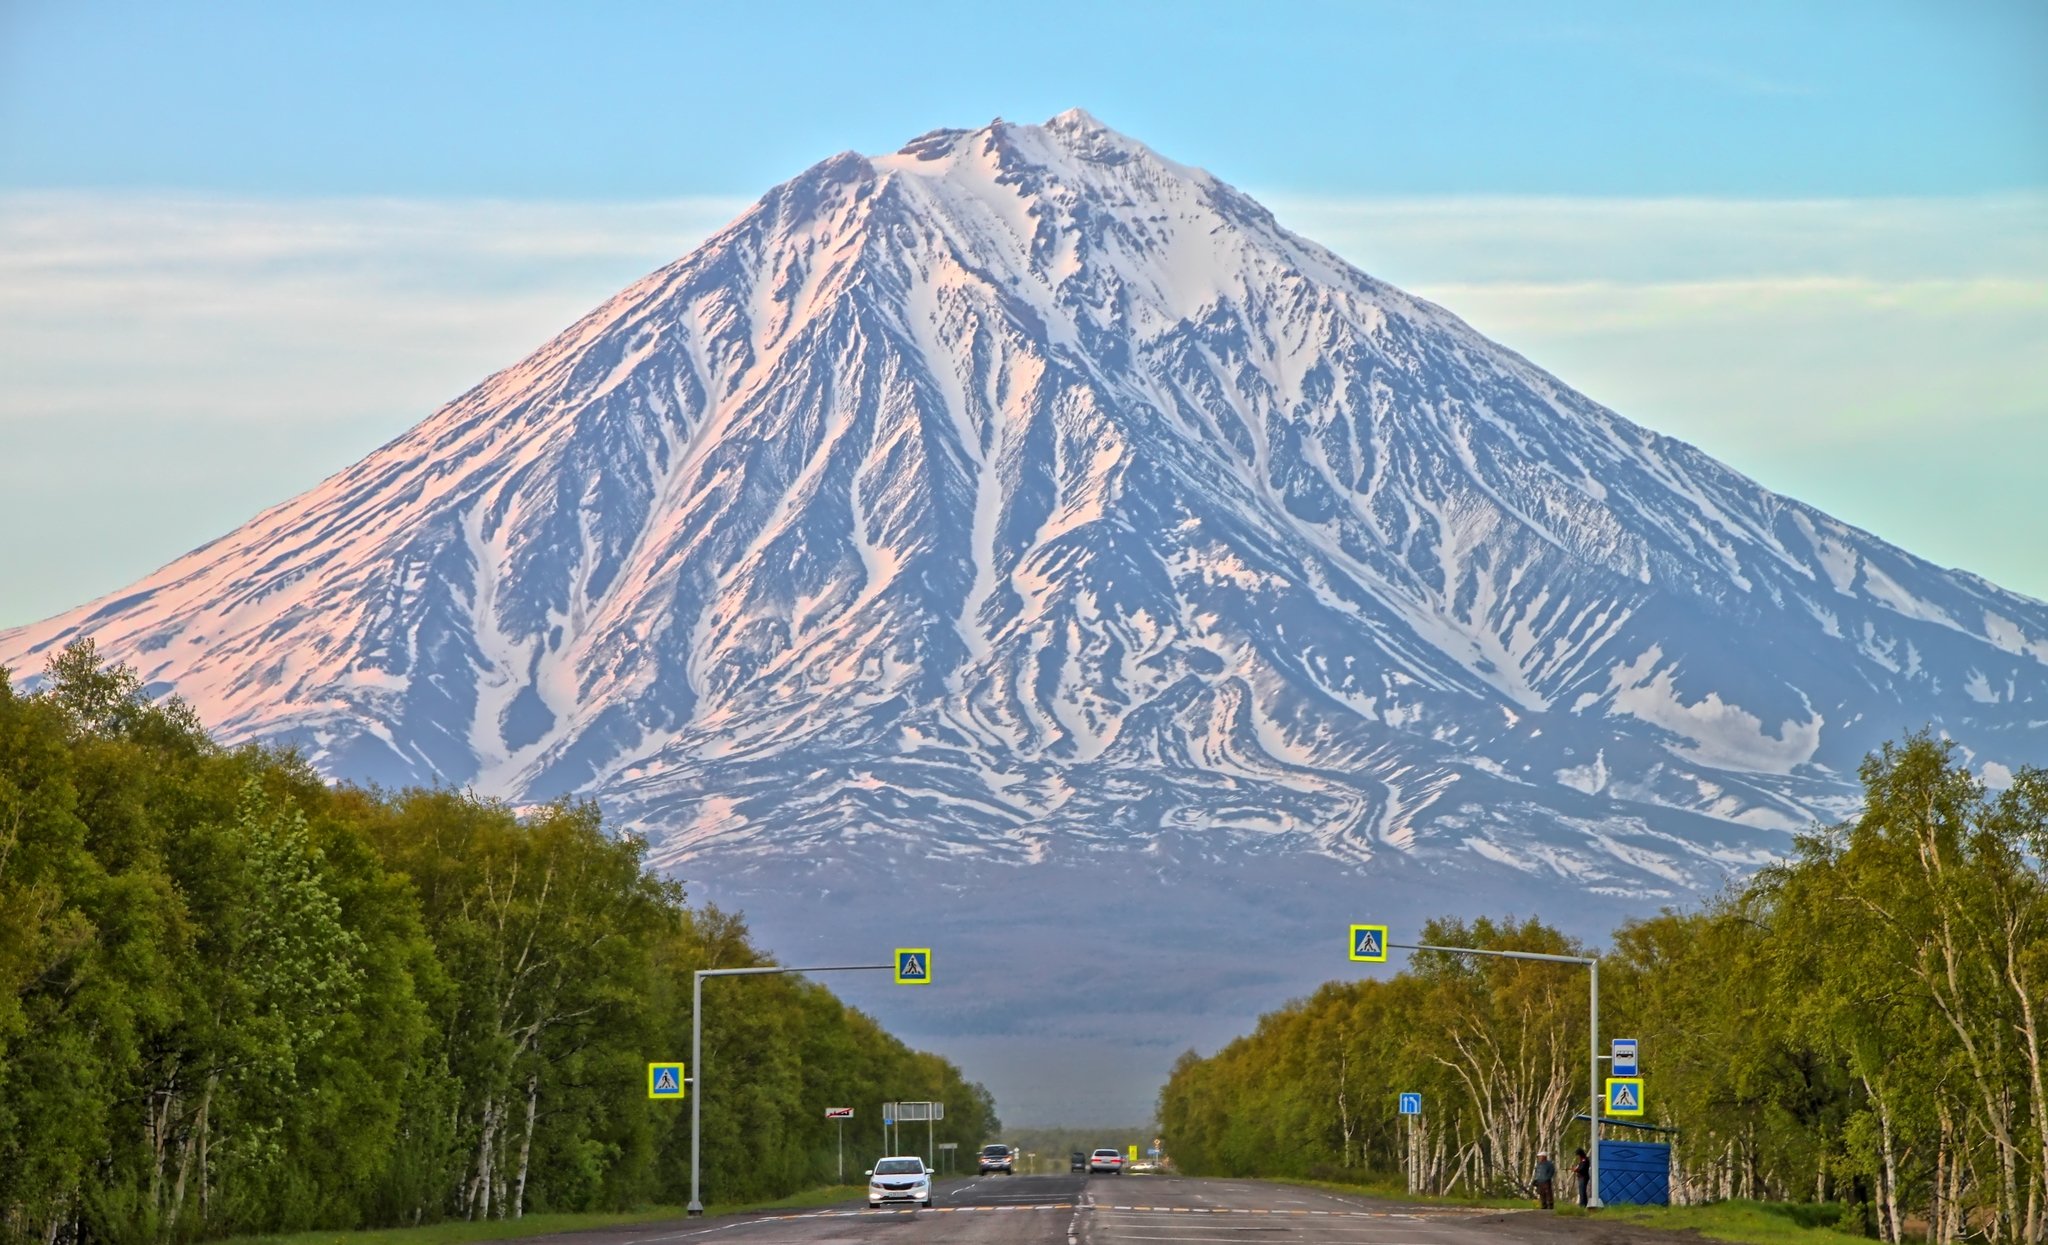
(1582, 1171)
(1546, 1180)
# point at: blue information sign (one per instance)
(665, 1080)
(1411, 1104)
(1625, 1095)
(1369, 943)
(1624, 1052)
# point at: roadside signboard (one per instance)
(913, 966)
(838, 1113)
(666, 1080)
(1624, 1095)
(1369, 943)
(1624, 1052)
(1134, 1154)
(888, 1113)
(913, 1112)
(1411, 1104)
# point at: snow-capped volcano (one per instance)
(1022, 493)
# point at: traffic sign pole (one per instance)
(696, 1206)
(1592, 1079)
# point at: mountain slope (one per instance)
(1022, 494)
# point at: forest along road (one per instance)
(1130, 1210)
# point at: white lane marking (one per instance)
(679, 1236)
(1411, 1216)
(1024, 1197)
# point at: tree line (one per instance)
(1859, 1025)
(235, 998)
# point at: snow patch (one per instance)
(1718, 733)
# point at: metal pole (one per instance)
(1593, 1087)
(842, 1152)
(696, 1069)
(696, 1086)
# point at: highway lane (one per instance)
(1104, 1210)
(1164, 1210)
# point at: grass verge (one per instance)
(462, 1232)
(1745, 1223)
(1750, 1223)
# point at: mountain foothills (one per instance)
(1023, 493)
(236, 999)
(1860, 1027)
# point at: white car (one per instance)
(899, 1179)
(1106, 1160)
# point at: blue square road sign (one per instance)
(1411, 1104)
(1369, 943)
(913, 966)
(1624, 1095)
(666, 1080)
(1624, 1056)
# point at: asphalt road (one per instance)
(1102, 1210)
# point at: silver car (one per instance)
(900, 1179)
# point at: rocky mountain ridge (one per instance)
(1023, 495)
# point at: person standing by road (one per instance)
(1582, 1171)
(1546, 1180)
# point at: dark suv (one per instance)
(998, 1159)
(1079, 1162)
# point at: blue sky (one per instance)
(243, 244)
(612, 100)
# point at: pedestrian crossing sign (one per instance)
(1369, 943)
(665, 1080)
(913, 966)
(1624, 1095)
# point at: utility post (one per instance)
(912, 966)
(1369, 943)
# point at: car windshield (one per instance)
(995, 1151)
(900, 1167)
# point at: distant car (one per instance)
(899, 1179)
(998, 1159)
(1080, 1163)
(1106, 1160)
